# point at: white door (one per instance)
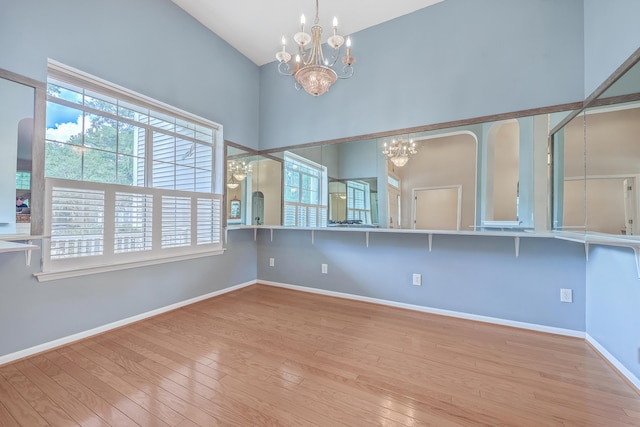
(393, 207)
(437, 208)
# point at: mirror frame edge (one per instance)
(37, 146)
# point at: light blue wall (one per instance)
(471, 274)
(454, 60)
(611, 35)
(613, 303)
(33, 313)
(156, 49)
(149, 46)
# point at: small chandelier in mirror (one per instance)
(313, 72)
(233, 183)
(399, 151)
(238, 170)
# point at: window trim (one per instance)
(322, 206)
(353, 186)
(79, 265)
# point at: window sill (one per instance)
(56, 275)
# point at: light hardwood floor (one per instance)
(268, 356)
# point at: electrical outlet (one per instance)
(417, 279)
(272, 262)
(566, 295)
(325, 268)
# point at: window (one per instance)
(358, 201)
(126, 178)
(23, 180)
(305, 192)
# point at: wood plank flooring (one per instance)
(264, 356)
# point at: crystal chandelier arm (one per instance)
(347, 72)
(284, 69)
(335, 54)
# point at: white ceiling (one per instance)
(255, 27)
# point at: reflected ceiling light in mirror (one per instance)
(239, 170)
(313, 72)
(233, 183)
(399, 151)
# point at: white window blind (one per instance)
(76, 222)
(133, 222)
(95, 225)
(176, 221)
(209, 221)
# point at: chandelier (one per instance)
(238, 170)
(399, 151)
(313, 71)
(233, 183)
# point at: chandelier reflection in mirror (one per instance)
(238, 170)
(233, 183)
(399, 151)
(313, 72)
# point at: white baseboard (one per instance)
(100, 329)
(615, 362)
(431, 310)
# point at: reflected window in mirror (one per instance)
(353, 202)
(359, 202)
(305, 192)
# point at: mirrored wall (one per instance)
(597, 168)
(17, 110)
(472, 177)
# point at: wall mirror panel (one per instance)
(569, 173)
(17, 108)
(254, 188)
(597, 191)
(353, 169)
(463, 178)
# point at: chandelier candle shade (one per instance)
(399, 151)
(312, 71)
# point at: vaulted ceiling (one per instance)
(255, 27)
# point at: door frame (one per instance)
(414, 199)
(391, 188)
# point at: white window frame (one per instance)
(202, 220)
(321, 208)
(354, 213)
